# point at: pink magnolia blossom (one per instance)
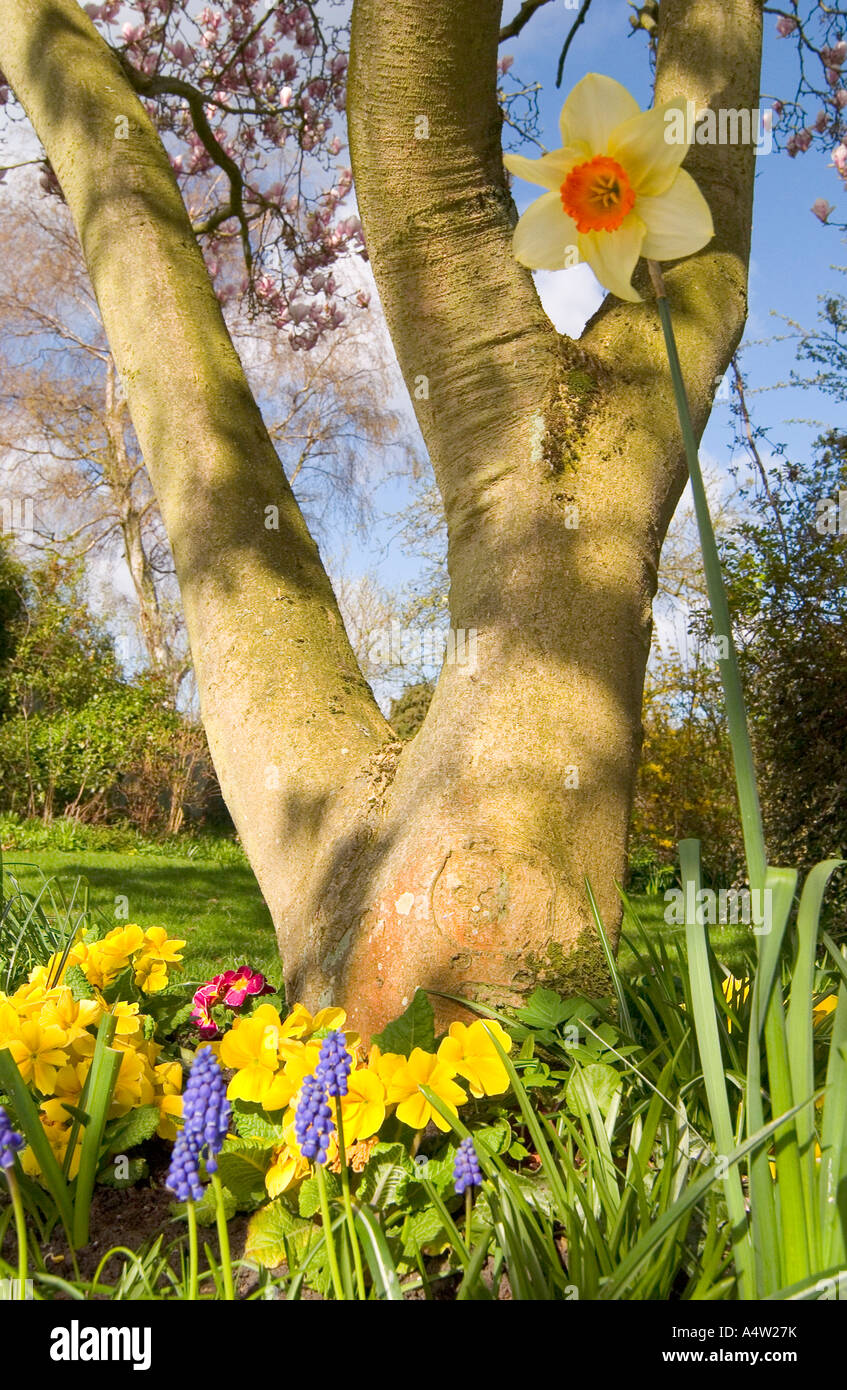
(785, 25)
(821, 208)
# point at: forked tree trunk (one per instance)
(459, 862)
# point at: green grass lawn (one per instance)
(220, 912)
(216, 908)
(728, 942)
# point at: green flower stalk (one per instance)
(10, 1143)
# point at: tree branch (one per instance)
(521, 19)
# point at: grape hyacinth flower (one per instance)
(206, 1112)
(334, 1064)
(10, 1141)
(313, 1124)
(466, 1170)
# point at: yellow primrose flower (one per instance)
(29, 999)
(134, 1085)
(469, 1051)
(70, 1081)
(107, 958)
(287, 1167)
(39, 1053)
(170, 1110)
(73, 1016)
(385, 1064)
(363, 1107)
(157, 953)
(617, 191)
(57, 1127)
(423, 1069)
(10, 1021)
(150, 975)
(252, 1049)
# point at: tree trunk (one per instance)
(457, 863)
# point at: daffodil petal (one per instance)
(613, 256)
(678, 222)
(543, 234)
(550, 171)
(595, 107)
(641, 145)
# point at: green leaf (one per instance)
(414, 1028)
(252, 1122)
(133, 1129)
(385, 1177)
(137, 1169)
(600, 1080)
(242, 1165)
(423, 1230)
(268, 1231)
(308, 1198)
(544, 1009)
(76, 982)
(206, 1210)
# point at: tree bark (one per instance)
(459, 862)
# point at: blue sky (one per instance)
(792, 252)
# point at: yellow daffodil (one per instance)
(824, 1007)
(735, 992)
(468, 1050)
(617, 191)
(39, 1053)
(363, 1107)
(423, 1069)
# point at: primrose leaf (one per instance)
(385, 1177)
(414, 1028)
(268, 1231)
(242, 1164)
(134, 1128)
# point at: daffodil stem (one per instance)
(328, 1237)
(223, 1239)
(192, 1251)
(20, 1230)
(739, 734)
(348, 1205)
